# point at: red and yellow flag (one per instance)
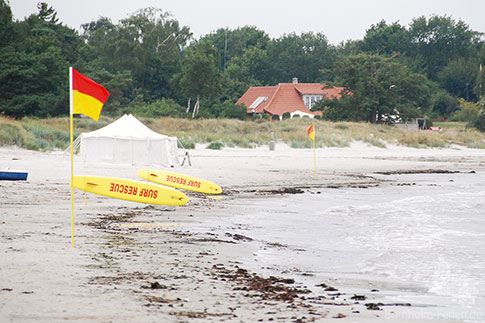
(311, 132)
(88, 97)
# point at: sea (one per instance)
(417, 239)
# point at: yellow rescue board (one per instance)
(129, 190)
(181, 181)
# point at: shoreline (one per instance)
(150, 271)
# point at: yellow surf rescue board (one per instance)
(181, 181)
(129, 190)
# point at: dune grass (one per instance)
(450, 124)
(53, 133)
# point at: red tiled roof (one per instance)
(309, 88)
(317, 88)
(285, 97)
(255, 92)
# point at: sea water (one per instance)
(418, 239)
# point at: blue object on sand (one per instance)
(13, 175)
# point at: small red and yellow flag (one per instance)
(311, 132)
(88, 97)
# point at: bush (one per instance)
(157, 109)
(480, 123)
(10, 135)
(244, 143)
(43, 137)
(301, 144)
(468, 111)
(341, 126)
(233, 111)
(444, 104)
(476, 145)
(185, 143)
(216, 145)
(36, 144)
(89, 124)
(374, 142)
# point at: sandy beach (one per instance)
(141, 263)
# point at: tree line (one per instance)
(153, 66)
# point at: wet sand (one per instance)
(140, 263)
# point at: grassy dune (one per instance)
(53, 133)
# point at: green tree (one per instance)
(101, 35)
(386, 39)
(231, 44)
(250, 68)
(480, 83)
(243, 72)
(376, 87)
(33, 68)
(200, 76)
(148, 44)
(7, 27)
(300, 56)
(459, 78)
(243, 59)
(32, 84)
(440, 40)
(233, 111)
(46, 13)
(119, 85)
(159, 108)
(468, 111)
(480, 123)
(443, 104)
(46, 24)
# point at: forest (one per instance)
(153, 67)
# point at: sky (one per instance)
(337, 20)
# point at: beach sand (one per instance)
(140, 263)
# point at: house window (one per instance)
(307, 101)
(257, 102)
(310, 100)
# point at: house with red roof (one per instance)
(294, 98)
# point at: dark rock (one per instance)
(358, 297)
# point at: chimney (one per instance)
(295, 80)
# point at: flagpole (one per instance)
(314, 153)
(72, 153)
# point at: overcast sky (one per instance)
(338, 20)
